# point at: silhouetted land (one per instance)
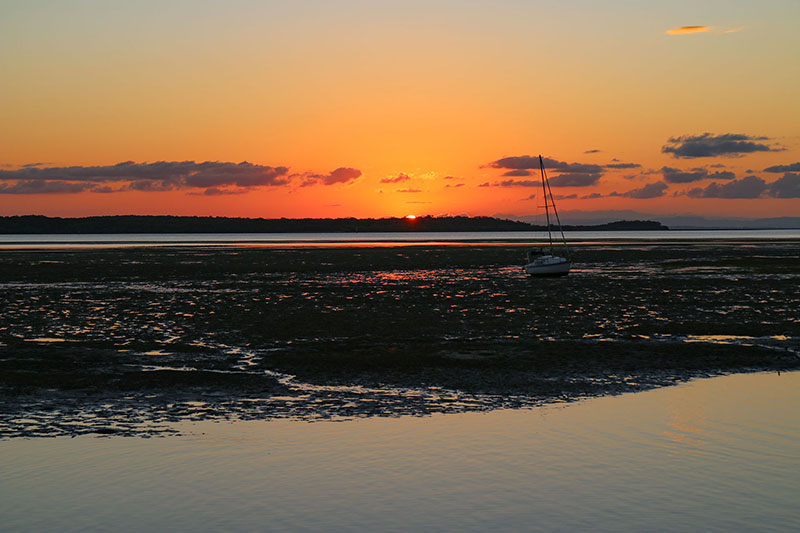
(174, 224)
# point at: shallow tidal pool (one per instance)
(712, 454)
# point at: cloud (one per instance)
(158, 176)
(564, 174)
(409, 190)
(103, 189)
(43, 187)
(793, 167)
(453, 186)
(566, 196)
(623, 165)
(531, 197)
(152, 186)
(397, 179)
(517, 173)
(574, 179)
(552, 165)
(526, 162)
(709, 145)
(241, 175)
(748, 187)
(592, 151)
(651, 190)
(214, 191)
(450, 178)
(517, 183)
(752, 187)
(484, 184)
(520, 162)
(340, 175)
(685, 30)
(674, 175)
(786, 187)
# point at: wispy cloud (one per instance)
(592, 196)
(651, 190)
(623, 165)
(517, 173)
(396, 179)
(214, 191)
(686, 30)
(514, 183)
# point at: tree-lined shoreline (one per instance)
(38, 224)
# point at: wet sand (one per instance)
(127, 341)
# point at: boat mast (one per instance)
(546, 210)
(555, 211)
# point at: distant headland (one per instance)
(30, 224)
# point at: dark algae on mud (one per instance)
(129, 340)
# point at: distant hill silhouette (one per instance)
(178, 224)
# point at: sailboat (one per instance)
(546, 261)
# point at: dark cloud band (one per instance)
(794, 167)
(674, 175)
(215, 176)
(709, 145)
(751, 187)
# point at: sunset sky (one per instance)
(380, 108)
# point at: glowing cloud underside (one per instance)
(683, 30)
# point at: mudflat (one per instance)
(128, 340)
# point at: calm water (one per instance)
(718, 454)
(94, 240)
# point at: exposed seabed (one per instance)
(129, 341)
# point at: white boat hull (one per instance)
(549, 266)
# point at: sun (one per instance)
(411, 217)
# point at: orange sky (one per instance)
(425, 90)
